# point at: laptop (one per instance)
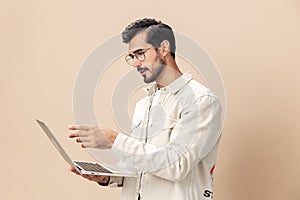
(83, 167)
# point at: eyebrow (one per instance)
(132, 54)
(137, 50)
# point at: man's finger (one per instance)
(79, 127)
(87, 144)
(83, 139)
(79, 134)
(72, 169)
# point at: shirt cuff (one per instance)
(123, 143)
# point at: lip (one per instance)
(142, 71)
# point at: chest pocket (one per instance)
(160, 131)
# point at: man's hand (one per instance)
(96, 178)
(93, 136)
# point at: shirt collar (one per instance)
(150, 88)
(173, 87)
(179, 83)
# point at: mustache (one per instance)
(139, 69)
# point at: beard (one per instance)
(155, 71)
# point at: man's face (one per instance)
(152, 66)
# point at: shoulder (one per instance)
(195, 96)
(195, 90)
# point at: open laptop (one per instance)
(83, 167)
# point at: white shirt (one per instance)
(173, 143)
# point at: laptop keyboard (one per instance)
(94, 167)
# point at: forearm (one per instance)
(168, 162)
(192, 138)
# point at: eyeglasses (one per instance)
(138, 54)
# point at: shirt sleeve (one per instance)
(192, 138)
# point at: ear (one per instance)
(165, 46)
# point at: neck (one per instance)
(169, 74)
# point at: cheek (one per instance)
(152, 62)
(153, 58)
(152, 67)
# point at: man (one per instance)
(175, 130)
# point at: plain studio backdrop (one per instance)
(255, 45)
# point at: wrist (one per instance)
(111, 136)
(104, 183)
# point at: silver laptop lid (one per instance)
(55, 143)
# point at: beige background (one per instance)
(255, 44)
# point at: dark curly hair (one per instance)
(156, 32)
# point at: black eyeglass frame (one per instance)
(138, 54)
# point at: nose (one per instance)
(136, 62)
